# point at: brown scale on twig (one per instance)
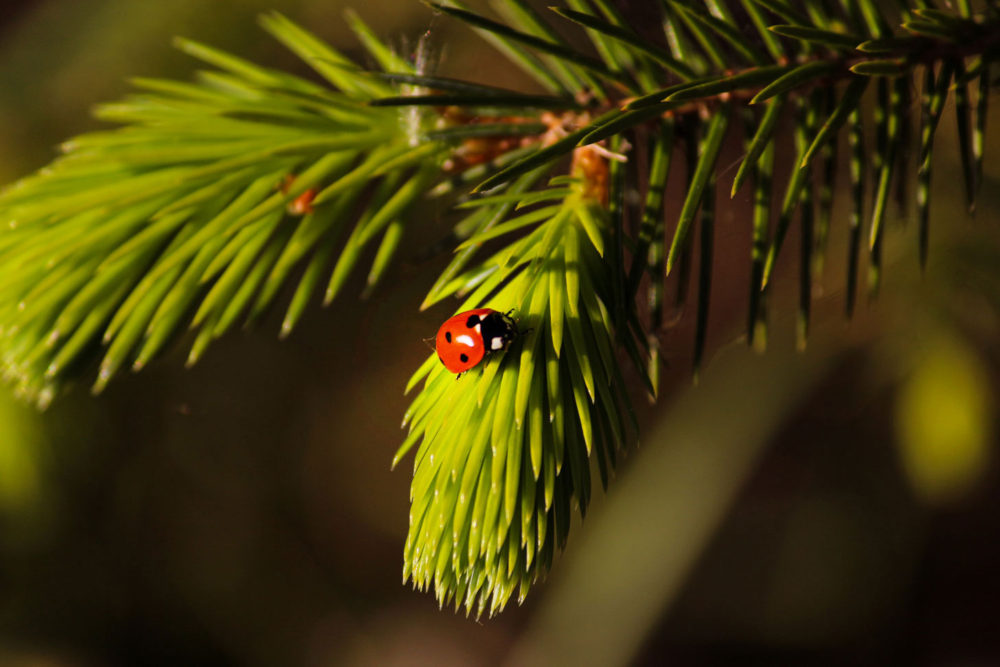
(589, 163)
(302, 204)
(480, 150)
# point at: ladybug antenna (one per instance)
(429, 342)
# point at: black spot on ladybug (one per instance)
(472, 321)
(447, 336)
(464, 358)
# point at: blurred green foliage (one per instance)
(945, 421)
(22, 459)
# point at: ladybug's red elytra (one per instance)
(465, 339)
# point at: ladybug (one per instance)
(465, 339)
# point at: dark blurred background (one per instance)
(829, 506)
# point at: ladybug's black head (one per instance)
(498, 330)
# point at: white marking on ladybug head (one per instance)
(466, 340)
(477, 328)
(496, 343)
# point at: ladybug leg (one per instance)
(511, 321)
(520, 332)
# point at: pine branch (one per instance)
(505, 448)
(208, 200)
(816, 67)
(199, 210)
(194, 213)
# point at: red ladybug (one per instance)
(463, 340)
